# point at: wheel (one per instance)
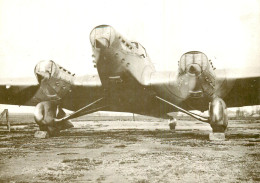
(172, 125)
(218, 115)
(53, 132)
(218, 128)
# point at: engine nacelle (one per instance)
(55, 81)
(218, 115)
(197, 70)
(49, 69)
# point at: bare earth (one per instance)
(128, 151)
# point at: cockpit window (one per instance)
(45, 66)
(44, 69)
(136, 44)
(191, 58)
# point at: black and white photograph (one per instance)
(129, 91)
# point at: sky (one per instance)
(34, 30)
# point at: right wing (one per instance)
(18, 91)
(24, 91)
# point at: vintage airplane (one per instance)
(128, 82)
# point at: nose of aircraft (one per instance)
(193, 62)
(44, 69)
(102, 36)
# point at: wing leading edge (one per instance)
(18, 91)
(245, 87)
(237, 87)
(27, 91)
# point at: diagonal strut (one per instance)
(83, 111)
(196, 116)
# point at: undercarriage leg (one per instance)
(172, 123)
(6, 113)
(218, 119)
(218, 115)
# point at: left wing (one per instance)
(241, 87)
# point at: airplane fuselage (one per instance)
(130, 79)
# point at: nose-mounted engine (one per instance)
(116, 57)
(198, 72)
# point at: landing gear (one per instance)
(63, 125)
(172, 123)
(5, 112)
(52, 119)
(45, 113)
(217, 119)
(90, 108)
(218, 115)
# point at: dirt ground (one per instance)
(132, 151)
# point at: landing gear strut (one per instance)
(90, 108)
(6, 113)
(196, 116)
(217, 119)
(172, 123)
(52, 119)
(218, 115)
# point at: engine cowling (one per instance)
(55, 81)
(195, 67)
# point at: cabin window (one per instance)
(140, 49)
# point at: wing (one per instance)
(84, 90)
(27, 91)
(241, 88)
(237, 87)
(18, 91)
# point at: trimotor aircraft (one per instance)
(128, 82)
